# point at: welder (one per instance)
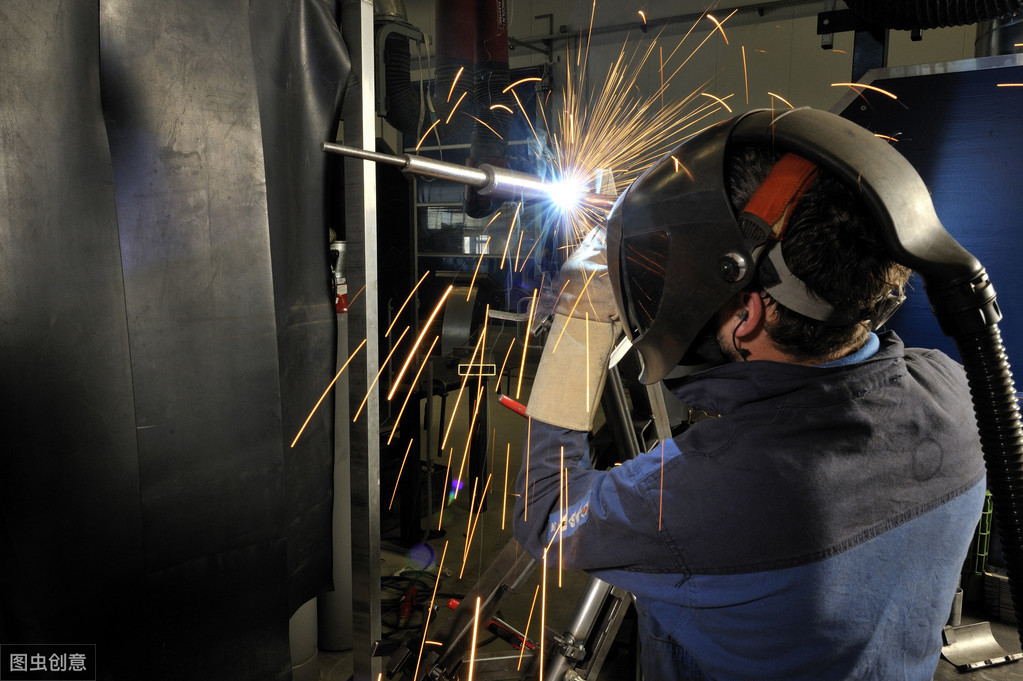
(812, 520)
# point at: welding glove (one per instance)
(573, 365)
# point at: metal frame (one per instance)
(580, 651)
(359, 129)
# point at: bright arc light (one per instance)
(567, 193)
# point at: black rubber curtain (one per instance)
(165, 324)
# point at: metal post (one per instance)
(363, 323)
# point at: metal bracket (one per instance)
(973, 646)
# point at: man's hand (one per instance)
(573, 366)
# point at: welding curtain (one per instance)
(166, 323)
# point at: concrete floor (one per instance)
(465, 563)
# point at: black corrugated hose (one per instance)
(997, 412)
(925, 14)
(404, 106)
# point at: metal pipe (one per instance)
(486, 179)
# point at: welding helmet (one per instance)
(677, 250)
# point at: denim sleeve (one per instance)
(589, 519)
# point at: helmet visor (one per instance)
(645, 270)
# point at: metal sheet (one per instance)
(183, 123)
(301, 70)
(70, 531)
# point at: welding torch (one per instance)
(485, 179)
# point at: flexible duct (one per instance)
(455, 44)
(924, 14)
(404, 105)
(490, 101)
(967, 311)
(996, 408)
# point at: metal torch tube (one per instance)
(486, 179)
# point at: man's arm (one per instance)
(605, 519)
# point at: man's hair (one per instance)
(834, 246)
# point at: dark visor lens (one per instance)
(644, 266)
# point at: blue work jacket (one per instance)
(814, 531)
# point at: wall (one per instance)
(782, 49)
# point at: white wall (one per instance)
(783, 53)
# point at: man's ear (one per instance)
(750, 315)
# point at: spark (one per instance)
(574, 305)
(525, 634)
(531, 79)
(518, 252)
(447, 474)
(563, 514)
(455, 108)
(325, 392)
(660, 501)
(496, 215)
(402, 308)
(681, 166)
(472, 531)
(507, 239)
(454, 82)
(497, 388)
(718, 24)
(886, 137)
(419, 340)
(383, 367)
(642, 15)
(484, 123)
(866, 87)
(525, 490)
(502, 107)
(785, 101)
(745, 74)
(468, 525)
(398, 480)
(561, 292)
(526, 259)
(357, 294)
(587, 362)
(526, 114)
(476, 271)
(543, 609)
(429, 611)
(612, 127)
(660, 70)
(589, 35)
(1009, 85)
(458, 398)
(472, 424)
(475, 631)
(504, 497)
(412, 388)
(525, 343)
(427, 134)
(718, 100)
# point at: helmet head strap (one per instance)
(763, 223)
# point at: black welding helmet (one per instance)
(677, 251)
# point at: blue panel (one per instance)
(963, 133)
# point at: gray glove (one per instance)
(573, 365)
